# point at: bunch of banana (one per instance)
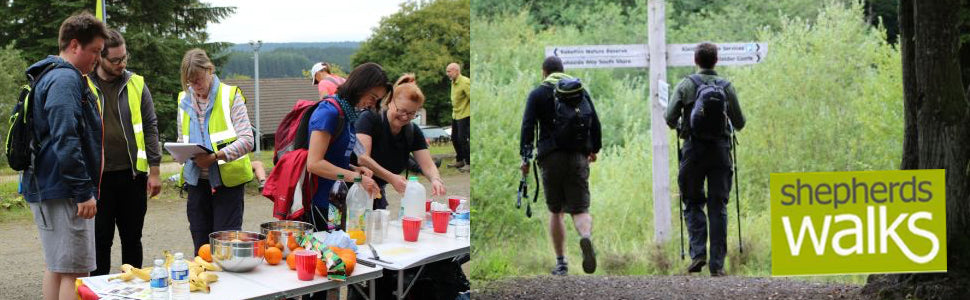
(129, 272)
(200, 275)
(207, 265)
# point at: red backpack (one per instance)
(291, 185)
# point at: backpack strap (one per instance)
(696, 79)
(340, 118)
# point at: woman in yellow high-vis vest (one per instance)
(213, 114)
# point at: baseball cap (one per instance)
(317, 67)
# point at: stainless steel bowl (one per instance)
(237, 251)
(282, 232)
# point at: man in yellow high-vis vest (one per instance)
(131, 154)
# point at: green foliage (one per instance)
(826, 98)
(546, 14)
(423, 38)
(286, 62)
(12, 67)
(157, 34)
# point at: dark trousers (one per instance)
(710, 162)
(122, 203)
(210, 211)
(460, 138)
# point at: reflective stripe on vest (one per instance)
(221, 133)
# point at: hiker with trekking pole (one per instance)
(705, 112)
(569, 137)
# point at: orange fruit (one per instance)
(321, 267)
(291, 261)
(292, 244)
(348, 256)
(205, 252)
(273, 255)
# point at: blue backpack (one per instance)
(707, 118)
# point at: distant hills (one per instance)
(279, 60)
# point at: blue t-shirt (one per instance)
(325, 118)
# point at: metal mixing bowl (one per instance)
(237, 251)
(281, 232)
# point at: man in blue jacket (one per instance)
(61, 186)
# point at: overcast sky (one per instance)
(300, 20)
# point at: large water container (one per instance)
(412, 205)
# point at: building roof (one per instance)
(276, 98)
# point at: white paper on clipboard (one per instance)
(184, 151)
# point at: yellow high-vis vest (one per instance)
(221, 133)
(135, 86)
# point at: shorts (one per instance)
(67, 240)
(565, 180)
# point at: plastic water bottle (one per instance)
(412, 205)
(159, 281)
(180, 278)
(358, 203)
(338, 197)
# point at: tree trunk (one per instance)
(936, 100)
(910, 100)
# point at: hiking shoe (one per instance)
(718, 273)
(696, 265)
(561, 269)
(589, 256)
(465, 169)
(457, 164)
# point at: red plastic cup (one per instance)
(427, 205)
(411, 227)
(440, 221)
(306, 264)
(453, 203)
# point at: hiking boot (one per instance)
(457, 164)
(696, 265)
(561, 269)
(465, 169)
(589, 256)
(718, 273)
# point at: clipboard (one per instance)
(185, 151)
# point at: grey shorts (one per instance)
(67, 240)
(565, 180)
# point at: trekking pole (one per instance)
(680, 159)
(737, 187)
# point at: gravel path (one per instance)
(661, 287)
(166, 228)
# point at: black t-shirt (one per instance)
(390, 151)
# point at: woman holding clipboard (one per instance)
(213, 114)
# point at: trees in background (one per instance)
(157, 34)
(423, 38)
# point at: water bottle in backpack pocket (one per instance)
(573, 116)
(707, 116)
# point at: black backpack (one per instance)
(707, 118)
(20, 141)
(573, 116)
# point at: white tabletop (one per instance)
(263, 282)
(430, 247)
